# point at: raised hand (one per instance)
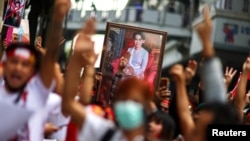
(62, 40)
(177, 73)
(38, 45)
(204, 29)
(61, 9)
(246, 66)
(98, 76)
(163, 93)
(84, 46)
(229, 74)
(248, 97)
(190, 70)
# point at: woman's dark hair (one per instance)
(168, 124)
(139, 33)
(31, 48)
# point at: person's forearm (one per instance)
(59, 79)
(69, 105)
(208, 49)
(53, 38)
(241, 93)
(72, 78)
(212, 78)
(54, 34)
(52, 48)
(186, 120)
(87, 84)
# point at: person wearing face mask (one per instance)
(130, 101)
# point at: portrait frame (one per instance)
(142, 47)
(14, 13)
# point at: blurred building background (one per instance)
(231, 19)
(176, 17)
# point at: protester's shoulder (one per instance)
(95, 125)
(54, 99)
(98, 113)
(95, 109)
(36, 83)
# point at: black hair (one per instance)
(139, 33)
(31, 48)
(223, 113)
(168, 124)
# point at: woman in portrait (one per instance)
(138, 59)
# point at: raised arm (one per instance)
(211, 71)
(52, 46)
(58, 75)
(83, 56)
(239, 100)
(182, 103)
(59, 79)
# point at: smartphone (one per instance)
(164, 82)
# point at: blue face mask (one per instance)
(129, 114)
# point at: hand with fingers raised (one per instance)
(61, 9)
(204, 30)
(246, 66)
(229, 74)
(248, 98)
(84, 46)
(38, 45)
(163, 93)
(177, 73)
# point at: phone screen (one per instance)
(164, 82)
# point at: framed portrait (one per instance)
(14, 13)
(129, 51)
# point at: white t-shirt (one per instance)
(55, 116)
(34, 98)
(95, 127)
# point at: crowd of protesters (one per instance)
(61, 104)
